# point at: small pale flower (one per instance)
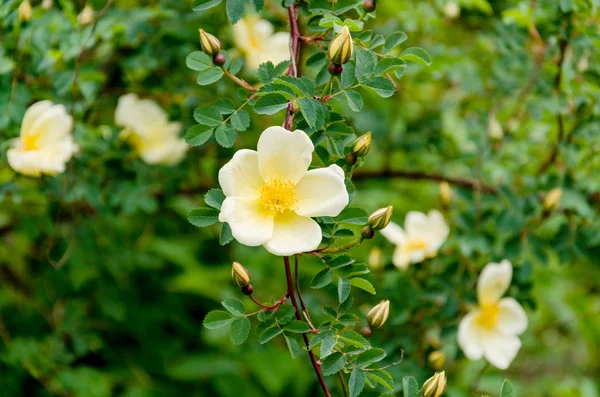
(86, 16)
(24, 12)
(47, 4)
(421, 238)
(491, 330)
(45, 144)
(271, 196)
(255, 38)
(148, 130)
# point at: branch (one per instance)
(292, 295)
(293, 70)
(417, 175)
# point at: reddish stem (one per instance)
(292, 295)
(293, 70)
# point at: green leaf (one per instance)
(363, 284)
(322, 279)
(217, 319)
(293, 346)
(507, 389)
(235, 10)
(285, 314)
(339, 261)
(348, 76)
(333, 364)
(410, 386)
(365, 64)
(203, 216)
(269, 334)
(380, 85)
(373, 355)
(240, 328)
(226, 235)
(382, 377)
(270, 104)
(225, 135)
(353, 216)
(234, 306)
(343, 289)
(257, 4)
(208, 115)
(355, 101)
(214, 198)
(354, 270)
(355, 339)
(209, 76)
(356, 382)
(198, 135)
(297, 327)
(267, 71)
(393, 41)
(224, 106)
(302, 86)
(314, 112)
(240, 120)
(198, 61)
(416, 54)
(318, 338)
(387, 65)
(327, 346)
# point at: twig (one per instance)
(343, 382)
(82, 50)
(293, 70)
(462, 182)
(292, 295)
(302, 305)
(239, 81)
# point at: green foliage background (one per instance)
(104, 283)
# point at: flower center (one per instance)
(488, 316)
(277, 196)
(30, 142)
(414, 245)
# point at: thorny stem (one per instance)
(293, 70)
(292, 295)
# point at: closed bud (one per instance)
(437, 359)
(24, 11)
(552, 199)
(445, 193)
(86, 16)
(361, 145)
(435, 386)
(378, 315)
(380, 218)
(369, 5)
(240, 275)
(341, 47)
(210, 44)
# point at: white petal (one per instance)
(249, 224)
(143, 116)
(24, 162)
(498, 349)
(125, 108)
(493, 282)
(293, 234)
(278, 47)
(50, 160)
(167, 152)
(241, 34)
(322, 192)
(261, 28)
(240, 176)
(439, 228)
(401, 258)
(394, 233)
(469, 336)
(32, 113)
(418, 255)
(283, 154)
(416, 224)
(512, 319)
(52, 126)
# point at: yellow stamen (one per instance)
(414, 245)
(277, 196)
(488, 315)
(30, 142)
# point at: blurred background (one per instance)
(104, 283)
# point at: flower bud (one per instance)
(366, 331)
(380, 218)
(552, 199)
(435, 386)
(369, 5)
(248, 290)
(378, 315)
(24, 11)
(341, 47)
(437, 359)
(351, 158)
(375, 259)
(209, 43)
(445, 193)
(361, 145)
(367, 233)
(86, 16)
(240, 275)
